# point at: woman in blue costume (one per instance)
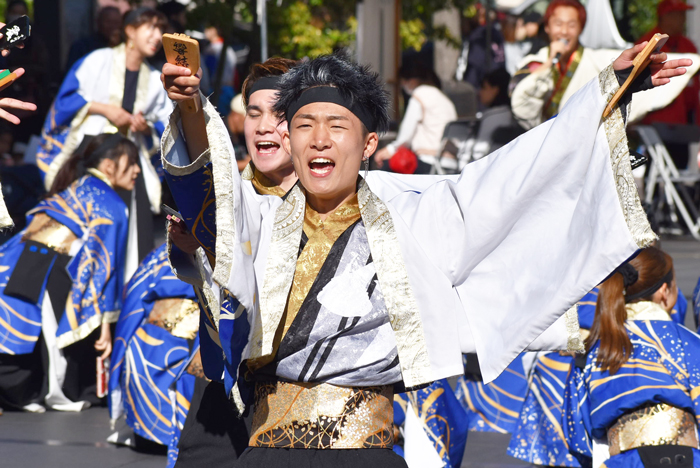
(494, 407)
(110, 90)
(155, 346)
(539, 437)
(62, 278)
(635, 400)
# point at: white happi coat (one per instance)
(484, 263)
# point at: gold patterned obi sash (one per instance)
(653, 425)
(178, 316)
(46, 230)
(322, 416)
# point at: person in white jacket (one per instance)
(428, 112)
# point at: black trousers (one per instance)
(256, 457)
(213, 435)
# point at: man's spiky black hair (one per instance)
(356, 83)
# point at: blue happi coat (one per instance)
(664, 367)
(99, 77)
(148, 381)
(494, 407)
(93, 211)
(539, 437)
(441, 417)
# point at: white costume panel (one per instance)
(484, 263)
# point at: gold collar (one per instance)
(646, 310)
(263, 185)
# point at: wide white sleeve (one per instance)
(5, 220)
(528, 230)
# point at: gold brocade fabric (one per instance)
(46, 230)
(321, 237)
(660, 424)
(263, 185)
(180, 317)
(322, 416)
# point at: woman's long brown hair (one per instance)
(652, 264)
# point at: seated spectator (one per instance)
(427, 113)
(497, 125)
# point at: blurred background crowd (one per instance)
(466, 77)
(465, 57)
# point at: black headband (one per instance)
(332, 95)
(134, 14)
(266, 82)
(668, 277)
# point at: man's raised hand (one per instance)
(662, 70)
(179, 82)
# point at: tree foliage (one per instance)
(307, 28)
(642, 17)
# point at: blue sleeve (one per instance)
(196, 201)
(130, 319)
(691, 347)
(444, 420)
(57, 124)
(98, 268)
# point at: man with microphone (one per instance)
(543, 78)
(546, 80)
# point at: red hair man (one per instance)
(547, 79)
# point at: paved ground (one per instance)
(73, 440)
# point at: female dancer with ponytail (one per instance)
(639, 390)
(61, 280)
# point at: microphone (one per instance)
(557, 57)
